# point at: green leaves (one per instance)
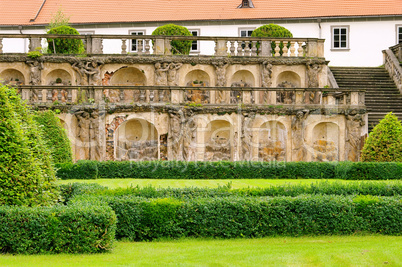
(178, 47)
(385, 141)
(64, 45)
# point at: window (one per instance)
(340, 37)
(399, 34)
(134, 43)
(246, 4)
(195, 46)
(245, 33)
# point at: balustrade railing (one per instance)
(197, 96)
(161, 45)
(392, 65)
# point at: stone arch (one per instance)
(325, 142)
(218, 140)
(136, 139)
(242, 78)
(128, 76)
(272, 138)
(58, 76)
(201, 77)
(12, 77)
(288, 79)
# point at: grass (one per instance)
(178, 183)
(279, 251)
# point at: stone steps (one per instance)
(382, 96)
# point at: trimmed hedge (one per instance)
(79, 228)
(63, 45)
(322, 188)
(230, 170)
(142, 219)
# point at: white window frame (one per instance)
(197, 43)
(347, 34)
(246, 30)
(131, 32)
(399, 34)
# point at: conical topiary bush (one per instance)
(385, 141)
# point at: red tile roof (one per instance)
(20, 12)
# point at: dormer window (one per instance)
(246, 4)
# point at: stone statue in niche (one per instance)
(298, 147)
(55, 95)
(64, 95)
(353, 126)
(190, 140)
(247, 136)
(79, 67)
(161, 73)
(236, 96)
(35, 68)
(220, 68)
(286, 96)
(89, 134)
(172, 73)
(177, 121)
(266, 74)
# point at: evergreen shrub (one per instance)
(26, 171)
(384, 143)
(178, 47)
(64, 45)
(55, 136)
(77, 228)
(273, 31)
(142, 219)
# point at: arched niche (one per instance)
(128, 76)
(58, 77)
(272, 139)
(218, 141)
(197, 78)
(242, 78)
(288, 79)
(12, 77)
(326, 142)
(137, 139)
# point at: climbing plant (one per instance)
(384, 143)
(178, 47)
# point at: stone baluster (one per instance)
(254, 48)
(88, 44)
(354, 98)
(147, 47)
(292, 49)
(142, 96)
(1, 45)
(160, 96)
(299, 97)
(247, 49)
(121, 95)
(159, 47)
(140, 47)
(285, 49)
(277, 48)
(151, 95)
(97, 46)
(168, 47)
(34, 43)
(123, 46)
(232, 48)
(239, 49)
(45, 95)
(300, 52)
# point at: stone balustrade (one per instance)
(196, 96)
(392, 65)
(161, 45)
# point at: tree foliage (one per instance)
(26, 172)
(64, 45)
(385, 141)
(59, 19)
(178, 47)
(55, 136)
(274, 31)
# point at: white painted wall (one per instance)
(366, 39)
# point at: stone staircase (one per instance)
(382, 95)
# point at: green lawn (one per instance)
(281, 251)
(178, 183)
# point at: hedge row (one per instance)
(230, 170)
(319, 188)
(142, 219)
(79, 228)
